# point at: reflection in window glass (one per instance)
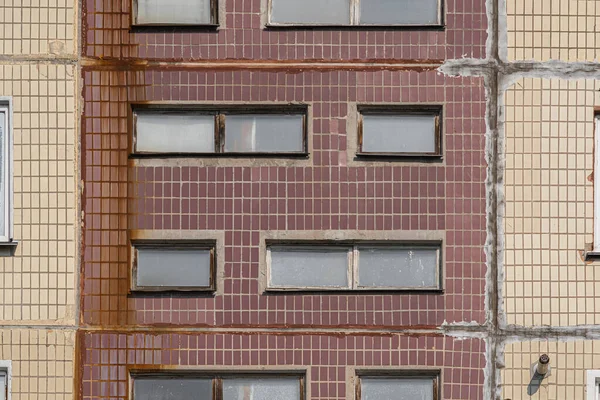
(175, 133)
(172, 388)
(392, 12)
(173, 12)
(410, 133)
(396, 388)
(263, 133)
(311, 12)
(261, 389)
(168, 267)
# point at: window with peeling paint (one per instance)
(356, 12)
(354, 266)
(174, 12)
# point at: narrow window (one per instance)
(593, 385)
(597, 187)
(175, 12)
(173, 266)
(356, 12)
(225, 387)
(193, 132)
(399, 132)
(5, 174)
(5, 375)
(354, 266)
(387, 387)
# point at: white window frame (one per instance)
(593, 385)
(6, 370)
(7, 176)
(354, 18)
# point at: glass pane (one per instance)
(311, 12)
(261, 389)
(187, 12)
(3, 133)
(396, 388)
(309, 267)
(399, 133)
(175, 133)
(3, 386)
(173, 267)
(172, 389)
(263, 133)
(398, 267)
(399, 12)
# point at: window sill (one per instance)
(161, 28)
(8, 249)
(366, 27)
(347, 291)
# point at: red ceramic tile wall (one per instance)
(107, 34)
(243, 201)
(108, 358)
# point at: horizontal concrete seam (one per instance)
(33, 326)
(26, 60)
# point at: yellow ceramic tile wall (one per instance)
(569, 362)
(553, 29)
(42, 363)
(549, 203)
(31, 27)
(37, 285)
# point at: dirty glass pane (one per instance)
(263, 133)
(173, 267)
(261, 389)
(409, 133)
(399, 12)
(398, 267)
(3, 133)
(175, 133)
(311, 12)
(172, 389)
(175, 12)
(396, 388)
(309, 267)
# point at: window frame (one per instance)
(593, 385)
(6, 111)
(217, 378)
(172, 245)
(398, 110)
(220, 113)
(6, 370)
(353, 247)
(354, 20)
(435, 375)
(596, 242)
(213, 24)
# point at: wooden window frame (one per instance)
(217, 379)
(353, 248)
(220, 114)
(354, 20)
(172, 245)
(399, 374)
(395, 110)
(213, 24)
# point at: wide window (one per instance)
(180, 266)
(400, 131)
(5, 173)
(356, 12)
(257, 131)
(175, 12)
(206, 387)
(354, 266)
(409, 387)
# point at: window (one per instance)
(175, 12)
(356, 12)
(5, 375)
(206, 387)
(596, 244)
(413, 385)
(5, 173)
(404, 131)
(593, 385)
(212, 132)
(173, 266)
(354, 266)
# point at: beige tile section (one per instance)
(38, 284)
(569, 362)
(553, 29)
(42, 363)
(549, 203)
(37, 27)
